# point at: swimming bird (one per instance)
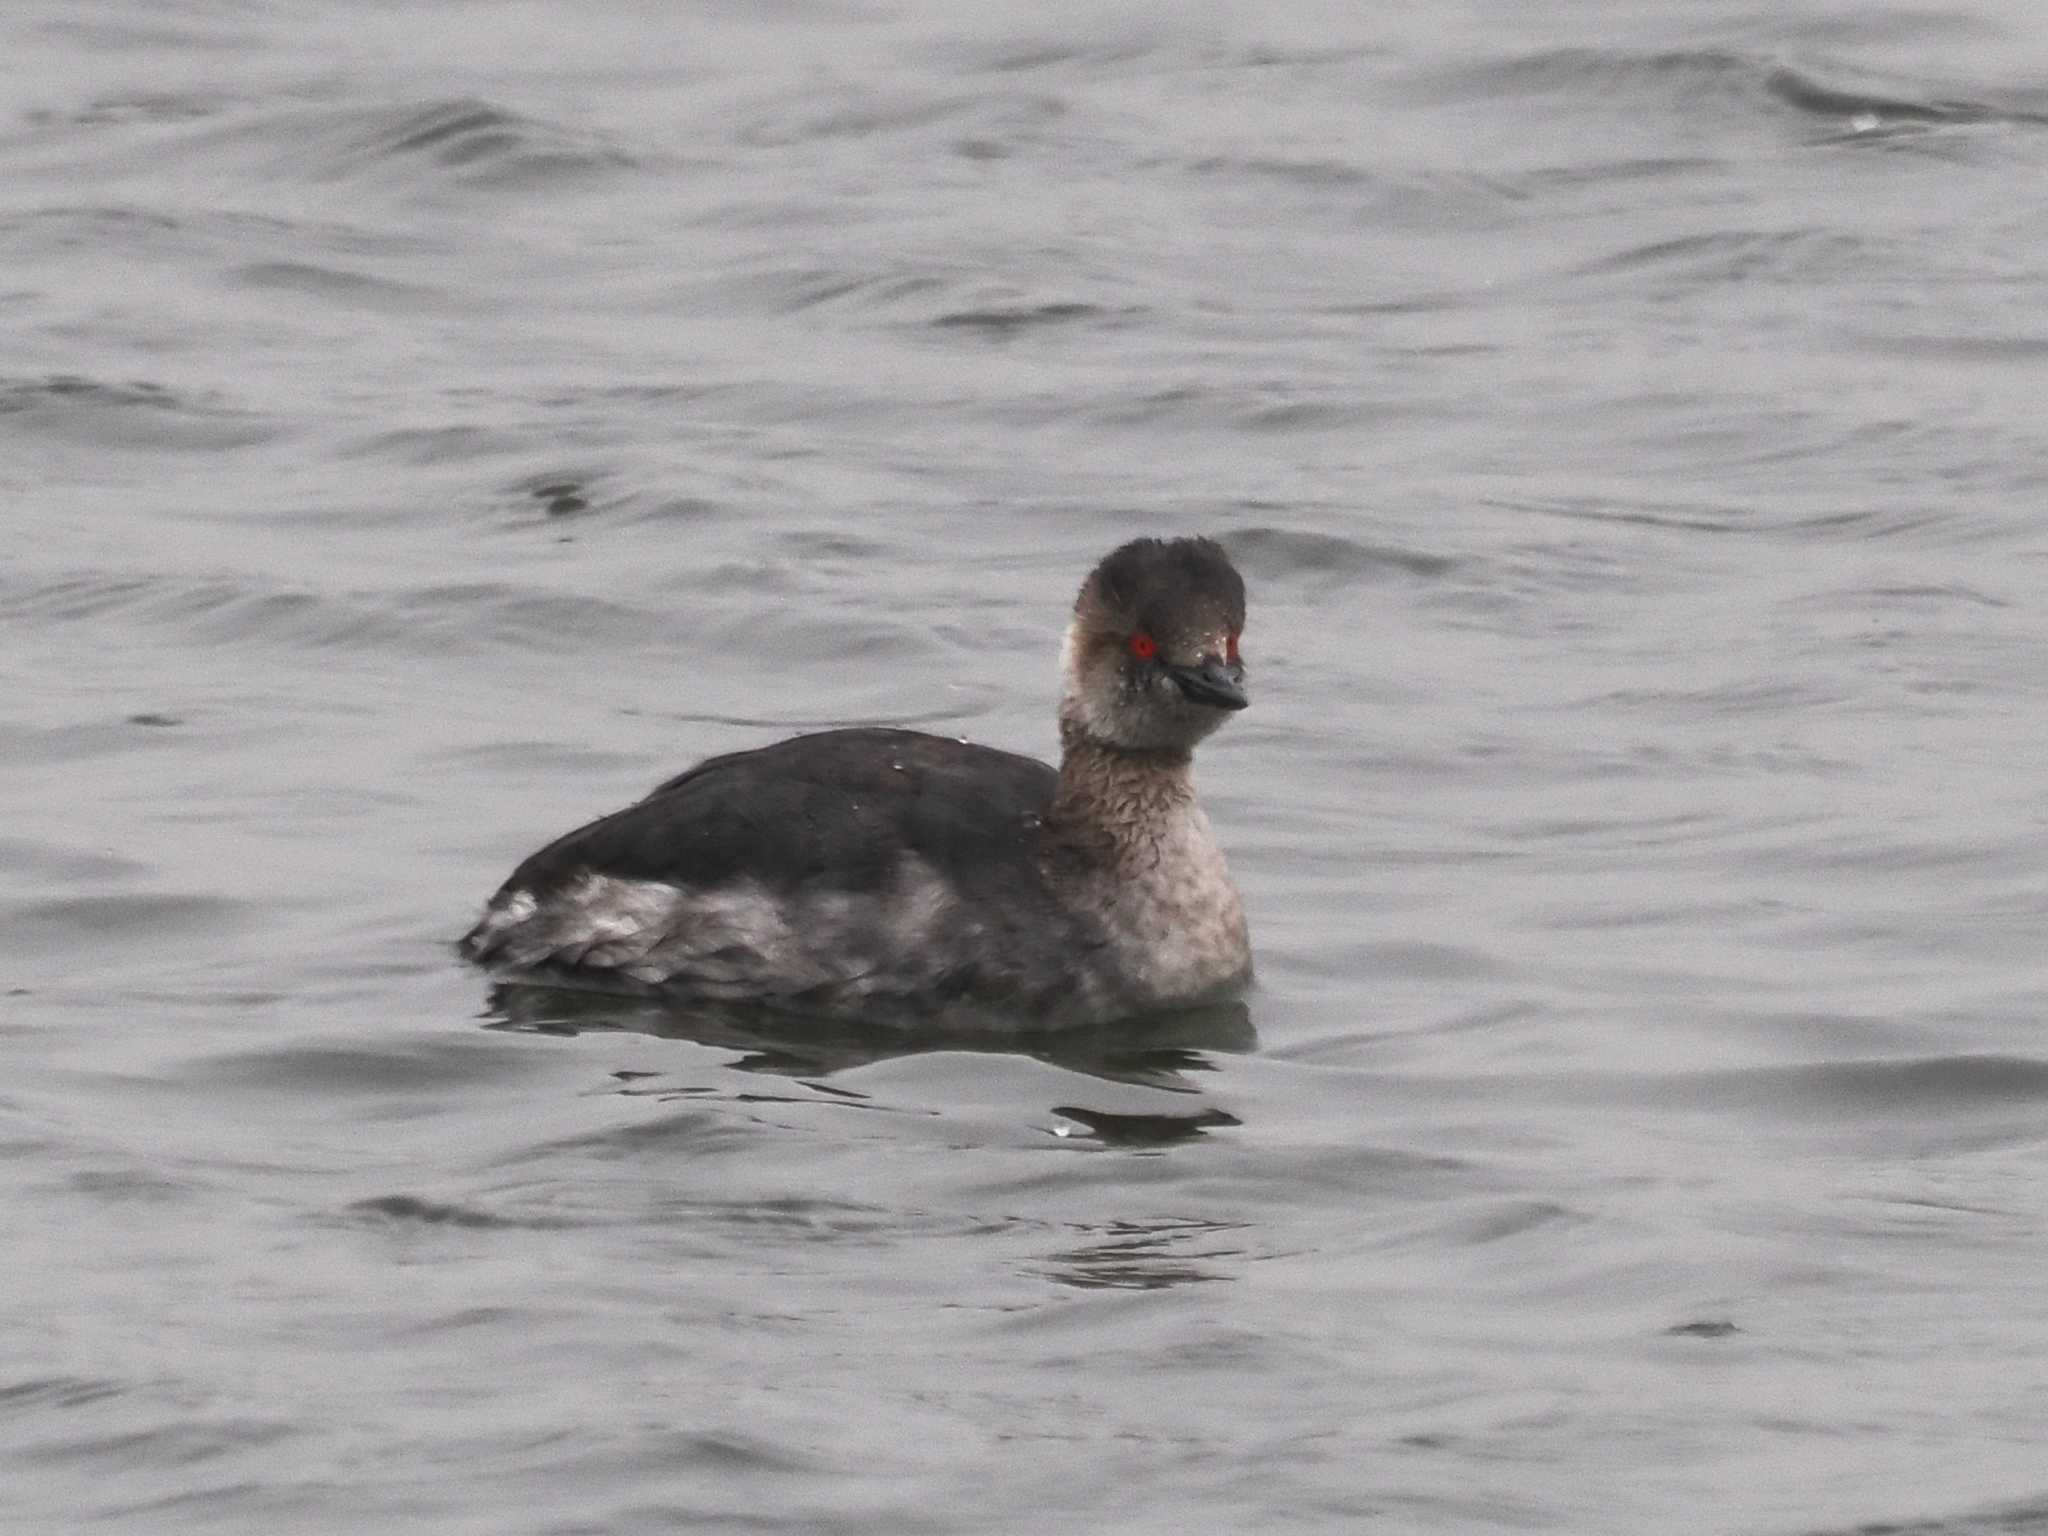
(891, 876)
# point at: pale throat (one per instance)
(1079, 712)
(1070, 663)
(1134, 795)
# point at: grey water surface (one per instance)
(426, 426)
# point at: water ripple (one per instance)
(138, 414)
(351, 1068)
(1005, 322)
(1325, 560)
(38, 1393)
(451, 415)
(852, 114)
(248, 610)
(1724, 79)
(133, 917)
(2024, 1518)
(465, 142)
(445, 1213)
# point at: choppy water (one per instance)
(425, 426)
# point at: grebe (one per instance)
(892, 876)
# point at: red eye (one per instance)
(1231, 653)
(1143, 646)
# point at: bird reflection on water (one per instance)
(1162, 1052)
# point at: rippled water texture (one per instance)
(425, 426)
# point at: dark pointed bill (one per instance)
(1211, 682)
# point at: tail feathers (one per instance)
(637, 930)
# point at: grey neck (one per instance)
(1116, 790)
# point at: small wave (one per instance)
(180, 1440)
(133, 107)
(1116, 41)
(1727, 518)
(1117, 1129)
(1148, 1255)
(1261, 410)
(1627, 168)
(59, 864)
(25, 395)
(431, 619)
(130, 1186)
(267, 250)
(444, 1213)
(1002, 322)
(1703, 1328)
(487, 143)
(561, 493)
(2029, 1518)
(1875, 109)
(795, 292)
(1743, 255)
(1710, 78)
(135, 414)
(133, 917)
(1921, 596)
(1312, 173)
(38, 1393)
(1501, 1221)
(361, 1069)
(461, 143)
(863, 114)
(357, 290)
(1558, 71)
(1680, 517)
(1895, 1088)
(157, 34)
(57, 230)
(505, 615)
(464, 141)
(558, 495)
(1384, 198)
(2027, 351)
(1324, 559)
(793, 289)
(425, 447)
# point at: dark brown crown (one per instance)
(1171, 588)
